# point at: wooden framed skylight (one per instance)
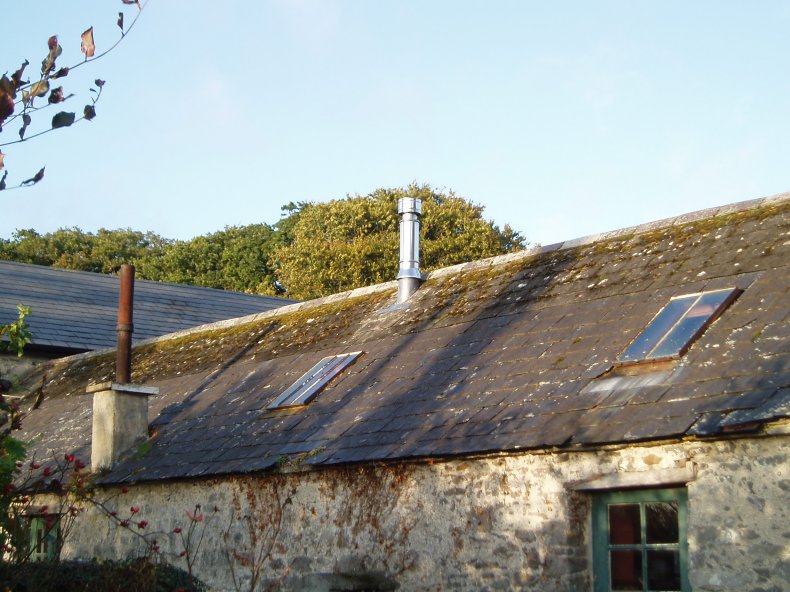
(311, 382)
(672, 331)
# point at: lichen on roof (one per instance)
(300, 330)
(487, 356)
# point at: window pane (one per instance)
(312, 381)
(663, 570)
(683, 332)
(624, 524)
(626, 570)
(662, 522)
(658, 327)
(687, 329)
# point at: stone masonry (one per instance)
(510, 522)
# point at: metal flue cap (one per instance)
(410, 205)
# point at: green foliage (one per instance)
(12, 453)
(235, 258)
(71, 248)
(314, 249)
(138, 575)
(344, 244)
(14, 336)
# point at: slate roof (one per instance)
(510, 353)
(78, 311)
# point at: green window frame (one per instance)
(640, 540)
(44, 537)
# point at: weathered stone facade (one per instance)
(510, 522)
(485, 433)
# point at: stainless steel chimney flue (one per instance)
(409, 278)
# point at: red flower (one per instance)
(47, 471)
(182, 553)
(177, 530)
(155, 548)
(195, 517)
(125, 523)
(142, 524)
(134, 509)
(34, 465)
(69, 458)
(113, 513)
(79, 464)
(124, 490)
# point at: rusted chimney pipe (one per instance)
(123, 360)
(409, 278)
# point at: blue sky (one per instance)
(562, 119)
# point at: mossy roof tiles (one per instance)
(506, 354)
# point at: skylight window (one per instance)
(674, 329)
(310, 384)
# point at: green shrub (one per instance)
(138, 575)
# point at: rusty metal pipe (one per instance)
(125, 328)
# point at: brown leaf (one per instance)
(35, 178)
(48, 63)
(133, 2)
(25, 123)
(120, 21)
(89, 112)
(17, 76)
(99, 82)
(7, 95)
(61, 73)
(2, 156)
(87, 47)
(56, 95)
(39, 89)
(63, 119)
(2, 181)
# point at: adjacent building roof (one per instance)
(77, 311)
(511, 353)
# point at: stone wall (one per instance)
(515, 522)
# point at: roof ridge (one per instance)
(490, 261)
(704, 214)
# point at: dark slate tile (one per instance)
(775, 407)
(708, 424)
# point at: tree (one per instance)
(22, 98)
(314, 249)
(235, 258)
(72, 248)
(353, 242)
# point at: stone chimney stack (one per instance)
(409, 278)
(120, 409)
